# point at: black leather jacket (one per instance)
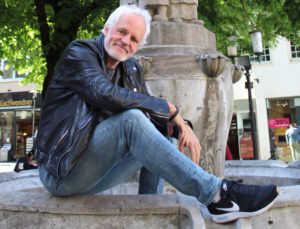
(80, 96)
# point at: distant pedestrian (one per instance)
(25, 163)
(292, 136)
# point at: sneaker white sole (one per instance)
(231, 216)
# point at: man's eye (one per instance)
(122, 32)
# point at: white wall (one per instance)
(278, 78)
(15, 86)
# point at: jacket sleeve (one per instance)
(81, 70)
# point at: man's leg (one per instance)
(120, 146)
(124, 143)
(296, 150)
(150, 183)
(292, 151)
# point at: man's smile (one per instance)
(122, 47)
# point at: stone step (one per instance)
(24, 209)
(24, 203)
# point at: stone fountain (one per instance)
(181, 64)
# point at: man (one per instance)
(292, 136)
(99, 126)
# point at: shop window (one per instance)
(265, 57)
(6, 134)
(295, 51)
(281, 113)
(8, 72)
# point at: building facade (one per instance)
(276, 99)
(19, 114)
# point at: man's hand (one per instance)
(187, 138)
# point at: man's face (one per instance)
(123, 39)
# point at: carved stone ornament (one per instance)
(236, 72)
(145, 62)
(212, 64)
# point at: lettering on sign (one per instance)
(15, 103)
(278, 123)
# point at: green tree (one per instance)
(239, 17)
(34, 33)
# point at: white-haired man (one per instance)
(99, 126)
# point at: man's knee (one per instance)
(135, 114)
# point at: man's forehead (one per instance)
(131, 18)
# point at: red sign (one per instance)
(246, 148)
(278, 122)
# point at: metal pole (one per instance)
(252, 117)
(33, 115)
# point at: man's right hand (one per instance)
(187, 137)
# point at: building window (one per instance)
(8, 73)
(295, 50)
(265, 57)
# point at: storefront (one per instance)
(240, 137)
(18, 122)
(281, 113)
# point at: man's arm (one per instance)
(85, 76)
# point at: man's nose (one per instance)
(126, 39)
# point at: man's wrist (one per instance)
(174, 115)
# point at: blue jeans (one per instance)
(119, 147)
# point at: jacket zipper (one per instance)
(69, 149)
(61, 138)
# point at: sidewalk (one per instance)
(7, 167)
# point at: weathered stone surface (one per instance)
(29, 205)
(41, 210)
(263, 172)
(162, 33)
(174, 74)
(182, 12)
(177, 77)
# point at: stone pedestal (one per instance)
(181, 64)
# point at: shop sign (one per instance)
(279, 123)
(246, 148)
(15, 103)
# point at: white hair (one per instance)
(129, 9)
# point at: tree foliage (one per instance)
(239, 17)
(34, 33)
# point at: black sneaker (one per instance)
(241, 200)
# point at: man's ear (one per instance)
(105, 30)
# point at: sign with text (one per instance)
(279, 123)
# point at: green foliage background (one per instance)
(34, 33)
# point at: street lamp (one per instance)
(245, 62)
(232, 49)
(256, 38)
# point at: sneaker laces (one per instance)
(236, 188)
